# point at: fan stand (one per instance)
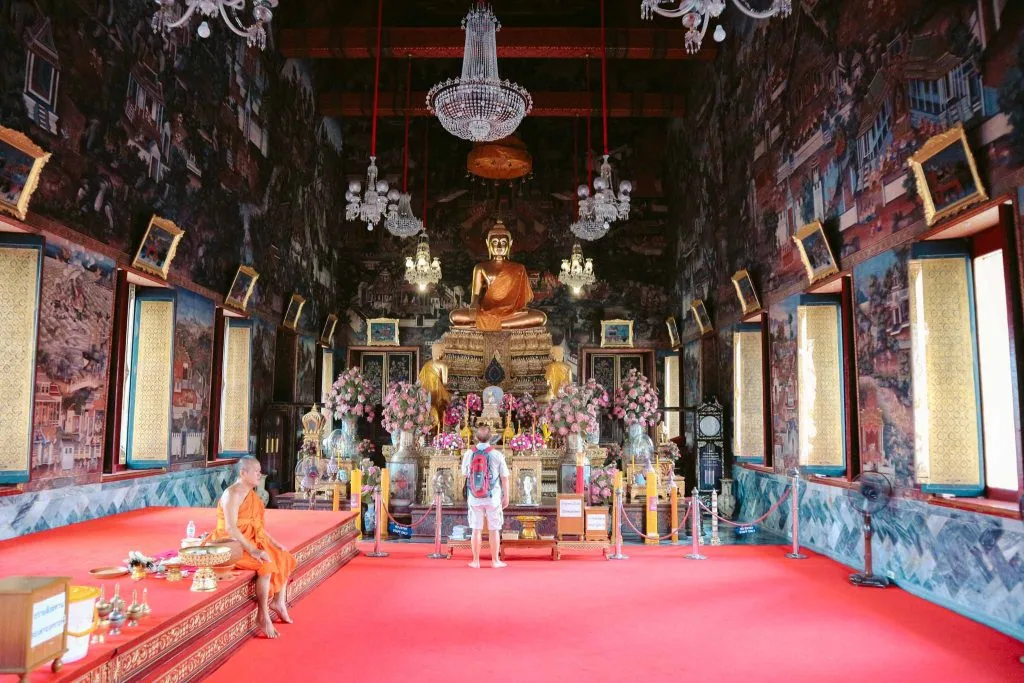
(868, 578)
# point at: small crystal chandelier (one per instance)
(602, 208)
(479, 106)
(697, 15)
(400, 221)
(373, 205)
(171, 15)
(577, 272)
(422, 270)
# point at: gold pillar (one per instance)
(355, 498)
(651, 536)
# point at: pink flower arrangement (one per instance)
(407, 408)
(371, 480)
(474, 403)
(526, 410)
(455, 411)
(669, 450)
(602, 484)
(571, 412)
(365, 448)
(351, 394)
(636, 401)
(447, 441)
(508, 402)
(526, 441)
(597, 393)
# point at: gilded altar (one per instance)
(514, 360)
(636, 482)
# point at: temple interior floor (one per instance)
(744, 614)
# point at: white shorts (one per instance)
(495, 517)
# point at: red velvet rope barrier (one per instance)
(752, 522)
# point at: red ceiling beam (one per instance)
(545, 105)
(513, 43)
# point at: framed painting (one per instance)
(382, 332)
(241, 288)
(815, 252)
(21, 163)
(294, 312)
(327, 336)
(616, 334)
(673, 332)
(700, 314)
(947, 177)
(158, 247)
(745, 292)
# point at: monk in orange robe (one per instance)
(240, 518)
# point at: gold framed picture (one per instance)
(745, 292)
(616, 334)
(241, 288)
(947, 177)
(294, 312)
(21, 163)
(158, 247)
(700, 314)
(382, 332)
(327, 336)
(815, 252)
(673, 332)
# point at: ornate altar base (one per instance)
(522, 355)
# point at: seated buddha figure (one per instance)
(501, 291)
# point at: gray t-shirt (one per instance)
(498, 467)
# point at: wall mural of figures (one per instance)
(222, 139)
(783, 385)
(75, 319)
(264, 339)
(841, 94)
(193, 374)
(885, 400)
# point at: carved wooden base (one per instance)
(522, 354)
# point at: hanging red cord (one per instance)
(376, 79)
(405, 156)
(576, 157)
(426, 158)
(590, 111)
(604, 81)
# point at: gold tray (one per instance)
(108, 572)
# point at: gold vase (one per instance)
(138, 572)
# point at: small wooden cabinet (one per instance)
(34, 628)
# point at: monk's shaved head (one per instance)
(248, 463)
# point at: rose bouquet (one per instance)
(596, 393)
(636, 401)
(365, 448)
(508, 402)
(447, 441)
(602, 484)
(571, 412)
(407, 408)
(474, 404)
(614, 452)
(526, 410)
(351, 394)
(371, 480)
(669, 451)
(526, 441)
(456, 410)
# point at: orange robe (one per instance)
(250, 523)
(509, 292)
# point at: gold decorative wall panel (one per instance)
(819, 377)
(947, 449)
(151, 415)
(234, 434)
(748, 395)
(19, 288)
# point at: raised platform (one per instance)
(522, 354)
(188, 634)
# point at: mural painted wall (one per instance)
(193, 370)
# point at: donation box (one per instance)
(35, 616)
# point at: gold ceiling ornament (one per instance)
(505, 159)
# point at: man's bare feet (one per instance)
(281, 607)
(475, 564)
(498, 564)
(268, 629)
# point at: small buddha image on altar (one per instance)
(444, 486)
(527, 488)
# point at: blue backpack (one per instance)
(480, 482)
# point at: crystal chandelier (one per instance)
(697, 15)
(479, 106)
(400, 221)
(373, 205)
(172, 14)
(422, 270)
(598, 210)
(577, 272)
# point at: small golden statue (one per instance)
(557, 373)
(508, 434)
(501, 290)
(433, 377)
(313, 424)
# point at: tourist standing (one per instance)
(486, 494)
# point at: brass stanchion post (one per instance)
(377, 509)
(437, 554)
(617, 519)
(795, 514)
(695, 527)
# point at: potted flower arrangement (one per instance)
(349, 399)
(508, 402)
(371, 485)
(602, 485)
(455, 411)
(597, 396)
(447, 441)
(636, 404)
(526, 410)
(669, 451)
(571, 415)
(406, 411)
(474, 404)
(526, 441)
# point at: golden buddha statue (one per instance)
(557, 373)
(501, 291)
(433, 377)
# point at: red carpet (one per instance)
(747, 614)
(73, 550)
